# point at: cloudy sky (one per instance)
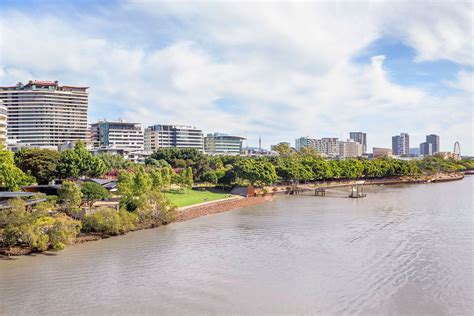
(274, 70)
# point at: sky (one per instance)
(273, 70)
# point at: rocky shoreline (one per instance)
(220, 206)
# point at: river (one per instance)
(404, 249)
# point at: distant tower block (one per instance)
(259, 143)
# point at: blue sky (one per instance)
(272, 70)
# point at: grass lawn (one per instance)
(195, 196)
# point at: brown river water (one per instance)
(405, 249)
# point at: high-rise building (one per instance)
(434, 141)
(44, 114)
(117, 134)
(361, 138)
(349, 149)
(331, 146)
(426, 149)
(381, 152)
(179, 136)
(3, 125)
(222, 144)
(401, 144)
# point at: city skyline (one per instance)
(234, 69)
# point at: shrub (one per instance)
(109, 221)
(157, 209)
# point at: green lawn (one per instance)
(196, 196)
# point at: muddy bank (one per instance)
(220, 206)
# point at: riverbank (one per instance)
(439, 177)
(236, 202)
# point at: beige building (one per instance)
(3, 125)
(350, 149)
(44, 114)
(178, 136)
(381, 152)
(117, 134)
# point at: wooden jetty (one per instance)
(320, 192)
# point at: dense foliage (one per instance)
(41, 163)
(35, 228)
(79, 162)
(11, 177)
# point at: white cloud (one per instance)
(464, 81)
(287, 70)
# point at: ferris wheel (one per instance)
(457, 148)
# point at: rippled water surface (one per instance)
(401, 250)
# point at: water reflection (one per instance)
(401, 250)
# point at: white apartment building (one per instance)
(222, 144)
(44, 114)
(179, 136)
(327, 146)
(117, 134)
(350, 149)
(3, 125)
(331, 146)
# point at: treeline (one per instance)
(290, 165)
(185, 166)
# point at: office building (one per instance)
(378, 152)
(222, 144)
(3, 126)
(349, 149)
(44, 114)
(434, 141)
(361, 138)
(401, 144)
(426, 149)
(179, 136)
(117, 134)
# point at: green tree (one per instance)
(156, 179)
(189, 179)
(11, 177)
(255, 171)
(40, 163)
(172, 154)
(93, 192)
(209, 177)
(283, 149)
(166, 177)
(70, 197)
(78, 162)
(114, 162)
